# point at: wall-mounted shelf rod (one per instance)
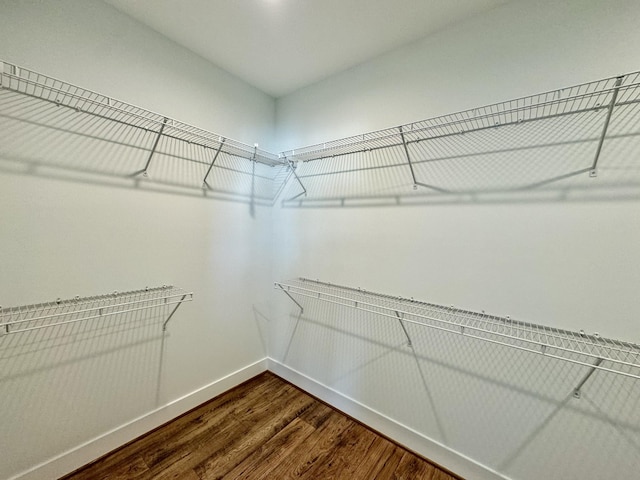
(62, 312)
(575, 347)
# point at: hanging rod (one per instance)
(612, 356)
(62, 312)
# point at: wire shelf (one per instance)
(530, 142)
(87, 131)
(576, 347)
(61, 312)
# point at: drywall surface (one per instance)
(515, 50)
(64, 233)
(564, 256)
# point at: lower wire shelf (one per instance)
(593, 351)
(61, 312)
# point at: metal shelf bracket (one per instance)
(215, 157)
(576, 391)
(289, 295)
(292, 166)
(404, 329)
(153, 149)
(166, 322)
(594, 172)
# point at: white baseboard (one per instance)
(96, 447)
(411, 439)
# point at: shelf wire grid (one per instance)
(67, 126)
(61, 312)
(576, 347)
(545, 142)
(586, 97)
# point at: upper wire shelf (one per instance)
(538, 141)
(586, 97)
(61, 312)
(576, 347)
(87, 131)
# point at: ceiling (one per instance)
(280, 46)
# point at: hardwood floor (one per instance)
(262, 429)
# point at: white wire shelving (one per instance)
(82, 130)
(62, 312)
(528, 142)
(576, 347)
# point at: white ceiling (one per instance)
(282, 45)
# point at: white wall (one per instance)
(62, 237)
(571, 264)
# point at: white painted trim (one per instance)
(108, 441)
(404, 435)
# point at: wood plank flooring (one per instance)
(263, 429)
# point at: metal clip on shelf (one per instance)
(62, 312)
(592, 351)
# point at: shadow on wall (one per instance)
(98, 373)
(54, 140)
(511, 410)
(467, 159)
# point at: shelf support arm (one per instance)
(293, 170)
(215, 157)
(164, 325)
(292, 299)
(404, 329)
(413, 174)
(576, 391)
(616, 88)
(155, 146)
(406, 152)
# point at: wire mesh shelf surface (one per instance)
(83, 130)
(575, 347)
(61, 312)
(552, 142)
(592, 96)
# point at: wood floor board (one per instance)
(338, 463)
(262, 461)
(380, 462)
(263, 429)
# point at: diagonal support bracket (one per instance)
(293, 170)
(153, 150)
(404, 329)
(576, 391)
(292, 299)
(166, 322)
(413, 173)
(215, 157)
(616, 88)
(406, 151)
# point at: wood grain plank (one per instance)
(134, 468)
(261, 462)
(379, 462)
(338, 463)
(311, 451)
(412, 467)
(260, 431)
